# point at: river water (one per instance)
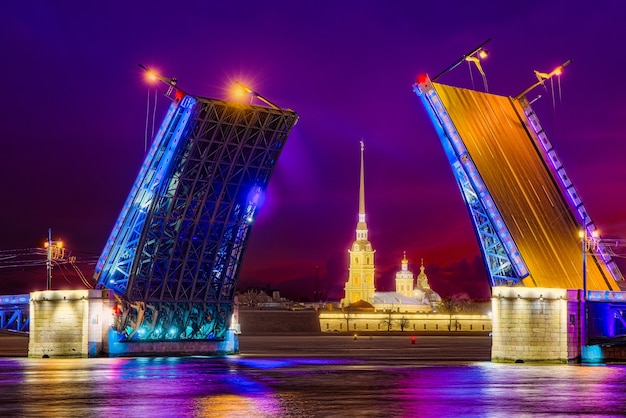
(257, 385)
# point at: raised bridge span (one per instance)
(525, 210)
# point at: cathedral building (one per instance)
(360, 290)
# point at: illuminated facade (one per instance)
(173, 257)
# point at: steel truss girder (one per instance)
(15, 312)
(15, 318)
(499, 252)
(500, 267)
(181, 236)
(172, 321)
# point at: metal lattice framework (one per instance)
(174, 254)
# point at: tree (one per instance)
(347, 316)
(453, 305)
(249, 298)
(403, 322)
(388, 320)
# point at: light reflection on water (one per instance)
(299, 387)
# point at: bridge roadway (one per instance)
(526, 194)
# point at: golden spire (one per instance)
(361, 227)
(362, 189)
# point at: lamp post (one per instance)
(585, 240)
(477, 53)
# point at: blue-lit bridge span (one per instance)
(173, 256)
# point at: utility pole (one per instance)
(49, 260)
(55, 252)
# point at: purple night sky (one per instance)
(74, 116)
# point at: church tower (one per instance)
(360, 284)
(404, 279)
(422, 279)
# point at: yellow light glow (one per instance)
(482, 54)
(581, 233)
(151, 75)
(238, 91)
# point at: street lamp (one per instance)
(542, 77)
(475, 55)
(240, 90)
(585, 245)
(585, 241)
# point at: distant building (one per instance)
(360, 289)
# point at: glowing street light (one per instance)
(240, 90)
(542, 77)
(153, 75)
(475, 58)
(475, 55)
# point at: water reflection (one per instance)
(271, 387)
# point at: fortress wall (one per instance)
(278, 321)
(347, 321)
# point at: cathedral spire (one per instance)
(362, 188)
(360, 283)
(361, 227)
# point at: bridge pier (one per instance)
(537, 325)
(68, 323)
(77, 323)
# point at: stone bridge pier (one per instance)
(537, 325)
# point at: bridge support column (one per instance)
(68, 323)
(537, 325)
